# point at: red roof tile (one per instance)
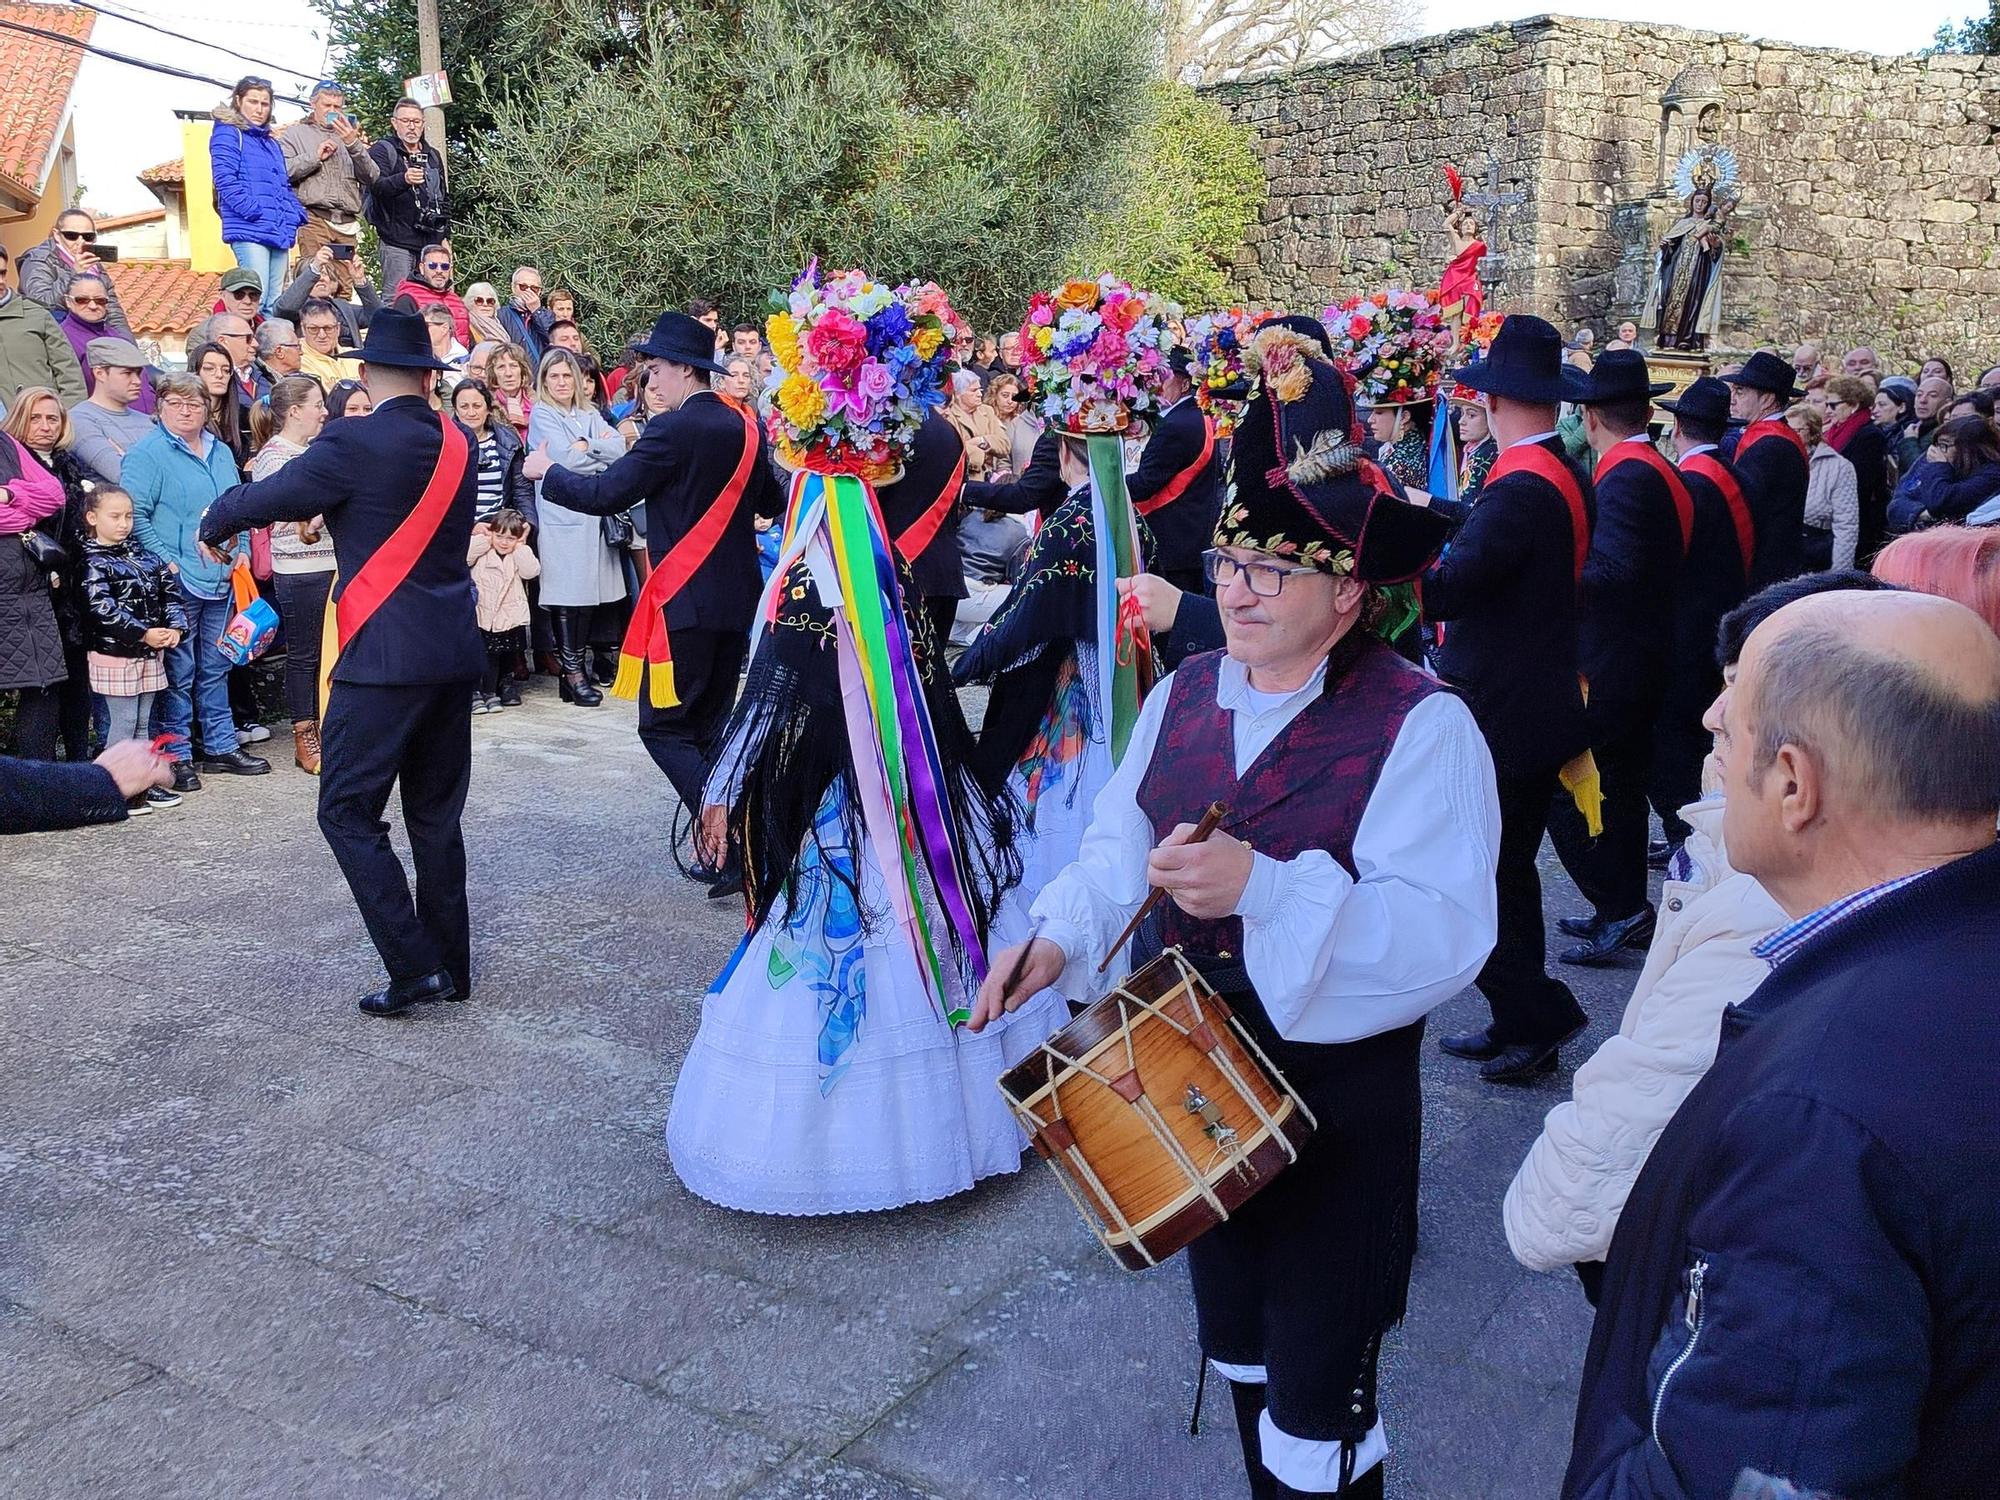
(164, 296)
(40, 74)
(166, 171)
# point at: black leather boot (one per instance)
(575, 685)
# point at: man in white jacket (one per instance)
(1563, 1204)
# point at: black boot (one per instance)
(575, 685)
(1249, 1403)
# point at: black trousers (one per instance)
(374, 736)
(1527, 1005)
(302, 604)
(73, 706)
(1680, 746)
(682, 740)
(1610, 870)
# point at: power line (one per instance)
(130, 20)
(133, 62)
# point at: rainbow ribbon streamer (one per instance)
(1125, 670)
(835, 525)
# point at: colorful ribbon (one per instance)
(1125, 651)
(834, 525)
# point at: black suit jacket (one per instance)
(1185, 527)
(365, 474)
(682, 461)
(1507, 587)
(937, 570)
(1627, 596)
(41, 796)
(1711, 584)
(1773, 475)
(1037, 487)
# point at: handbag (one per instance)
(617, 528)
(45, 551)
(255, 622)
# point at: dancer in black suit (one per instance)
(398, 489)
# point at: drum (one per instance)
(1159, 1113)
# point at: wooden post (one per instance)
(430, 59)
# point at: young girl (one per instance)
(502, 563)
(135, 615)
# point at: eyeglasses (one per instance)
(246, 337)
(437, 265)
(1266, 580)
(91, 301)
(182, 403)
(244, 291)
(529, 286)
(84, 236)
(485, 301)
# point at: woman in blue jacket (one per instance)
(1960, 473)
(261, 214)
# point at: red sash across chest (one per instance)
(1718, 474)
(1174, 488)
(1647, 454)
(1533, 458)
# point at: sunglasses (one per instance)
(85, 236)
(485, 301)
(437, 265)
(529, 286)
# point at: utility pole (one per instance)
(430, 59)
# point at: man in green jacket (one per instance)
(33, 350)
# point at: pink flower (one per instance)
(1041, 314)
(1107, 350)
(874, 383)
(838, 341)
(842, 397)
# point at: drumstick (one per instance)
(1021, 961)
(1210, 821)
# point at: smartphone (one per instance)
(342, 252)
(105, 253)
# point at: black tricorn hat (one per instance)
(1705, 400)
(1300, 488)
(683, 341)
(397, 338)
(1525, 363)
(1620, 375)
(1764, 371)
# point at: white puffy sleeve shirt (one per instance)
(1334, 957)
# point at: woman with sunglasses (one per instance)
(48, 268)
(86, 315)
(482, 306)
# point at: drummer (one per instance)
(1347, 893)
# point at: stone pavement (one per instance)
(253, 1243)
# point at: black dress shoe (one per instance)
(1582, 927)
(184, 778)
(1525, 1060)
(401, 995)
(1604, 944)
(728, 885)
(1659, 854)
(236, 763)
(1475, 1046)
(603, 670)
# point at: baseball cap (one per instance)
(241, 279)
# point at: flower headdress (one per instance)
(1478, 338)
(1094, 353)
(1393, 343)
(858, 365)
(1218, 347)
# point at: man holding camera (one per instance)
(326, 157)
(406, 196)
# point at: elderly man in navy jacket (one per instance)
(397, 489)
(1506, 592)
(1806, 1274)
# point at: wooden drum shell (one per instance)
(1162, 1206)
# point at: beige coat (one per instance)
(982, 423)
(1564, 1202)
(503, 601)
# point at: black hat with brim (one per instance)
(398, 339)
(1621, 375)
(1525, 363)
(1705, 400)
(1764, 371)
(1301, 489)
(683, 340)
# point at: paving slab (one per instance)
(49, 1372)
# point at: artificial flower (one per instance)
(801, 400)
(1077, 293)
(781, 332)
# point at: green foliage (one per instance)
(1973, 34)
(722, 145)
(1193, 187)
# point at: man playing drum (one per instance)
(1348, 891)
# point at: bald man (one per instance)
(1803, 1279)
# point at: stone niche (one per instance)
(1869, 197)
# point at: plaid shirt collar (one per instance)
(1779, 947)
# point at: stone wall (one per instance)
(1870, 207)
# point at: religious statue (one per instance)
(1459, 293)
(1686, 298)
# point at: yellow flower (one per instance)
(926, 341)
(781, 332)
(801, 400)
(1045, 336)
